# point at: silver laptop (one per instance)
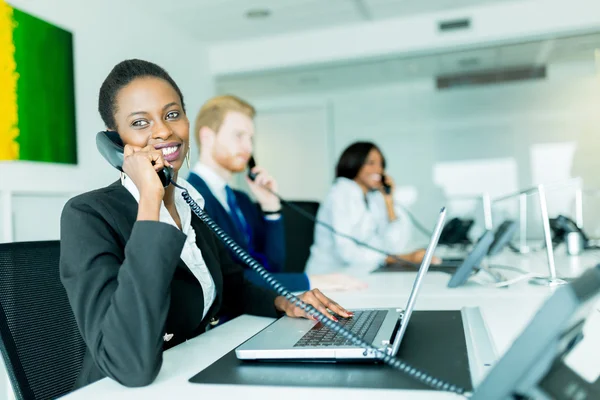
(307, 340)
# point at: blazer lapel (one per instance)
(128, 209)
(203, 233)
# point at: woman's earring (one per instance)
(187, 159)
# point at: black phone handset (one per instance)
(108, 150)
(111, 147)
(251, 165)
(386, 188)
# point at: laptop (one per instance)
(298, 339)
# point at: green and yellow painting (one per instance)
(37, 94)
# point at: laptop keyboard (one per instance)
(365, 324)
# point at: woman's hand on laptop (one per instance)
(315, 298)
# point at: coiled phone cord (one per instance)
(335, 327)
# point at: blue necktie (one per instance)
(242, 225)
(237, 216)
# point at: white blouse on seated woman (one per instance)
(351, 211)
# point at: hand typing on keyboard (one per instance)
(315, 298)
(364, 324)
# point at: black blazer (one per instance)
(128, 286)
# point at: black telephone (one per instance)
(455, 232)
(111, 146)
(561, 226)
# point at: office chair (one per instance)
(299, 234)
(39, 339)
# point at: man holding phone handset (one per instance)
(224, 130)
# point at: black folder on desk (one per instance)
(434, 343)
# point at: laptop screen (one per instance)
(419, 280)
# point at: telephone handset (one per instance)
(111, 147)
(251, 164)
(386, 188)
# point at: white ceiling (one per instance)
(220, 20)
(390, 70)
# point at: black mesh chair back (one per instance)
(39, 339)
(299, 234)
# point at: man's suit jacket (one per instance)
(129, 289)
(268, 237)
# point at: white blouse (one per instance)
(190, 254)
(348, 210)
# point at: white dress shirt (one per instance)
(215, 183)
(349, 211)
(190, 254)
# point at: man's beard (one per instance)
(230, 162)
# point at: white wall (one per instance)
(498, 138)
(104, 33)
(304, 129)
(502, 22)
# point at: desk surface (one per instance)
(506, 312)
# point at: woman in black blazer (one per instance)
(141, 271)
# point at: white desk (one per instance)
(505, 311)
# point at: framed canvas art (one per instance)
(37, 95)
